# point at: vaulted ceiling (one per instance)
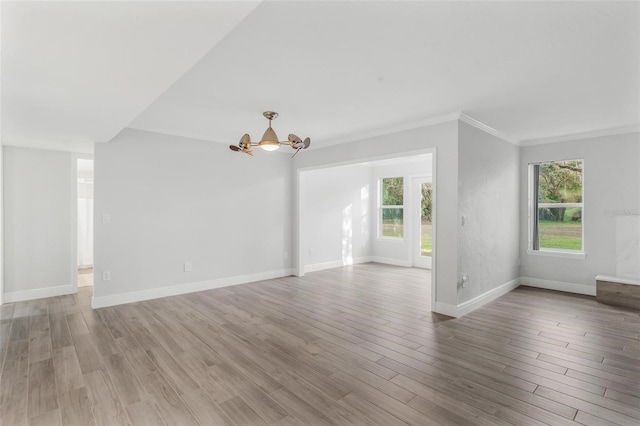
(78, 72)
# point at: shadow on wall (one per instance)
(347, 236)
(365, 222)
(347, 226)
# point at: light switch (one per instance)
(106, 218)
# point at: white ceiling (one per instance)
(74, 72)
(333, 70)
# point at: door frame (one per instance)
(74, 215)
(417, 260)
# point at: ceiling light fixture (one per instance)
(269, 141)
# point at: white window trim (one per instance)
(569, 254)
(381, 206)
(559, 205)
(557, 253)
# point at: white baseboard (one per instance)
(335, 264)
(339, 263)
(390, 261)
(589, 290)
(174, 290)
(470, 305)
(39, 293)
(446, 309)
(478, 301)
(619, 280)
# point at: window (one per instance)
(391, 207)
(426, 232)
(556, 206)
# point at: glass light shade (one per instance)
(269, 145)
(269, 140)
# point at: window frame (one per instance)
(384, 206)
(532, 214)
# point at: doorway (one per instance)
(85, 222)
(422, 250)
(347, 215)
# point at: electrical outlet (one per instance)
(106, 276)
(187, 266)
(465, 281)
(286, 255)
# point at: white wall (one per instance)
(39, 221)
(611, 182)
(443, 137)
(336, 216)
(1, 224)
(172, 200)
(488, 197)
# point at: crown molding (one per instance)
(192, 136)
(487, 129)
(351, 137)
(458, 115)
(390, 129)
(612, 131)
(82, 146)
(444, 118)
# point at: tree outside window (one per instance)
(557, 206)
(392, 207)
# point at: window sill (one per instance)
(391, 239)
(558, 253)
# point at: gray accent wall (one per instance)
(488, 196)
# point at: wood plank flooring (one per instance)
(347, 346)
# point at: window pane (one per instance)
(560, 228)
(392, 191)
(560, 182)
(392, 223)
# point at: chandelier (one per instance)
(269, 141)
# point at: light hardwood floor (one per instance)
(353, 345)
(85, 277)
